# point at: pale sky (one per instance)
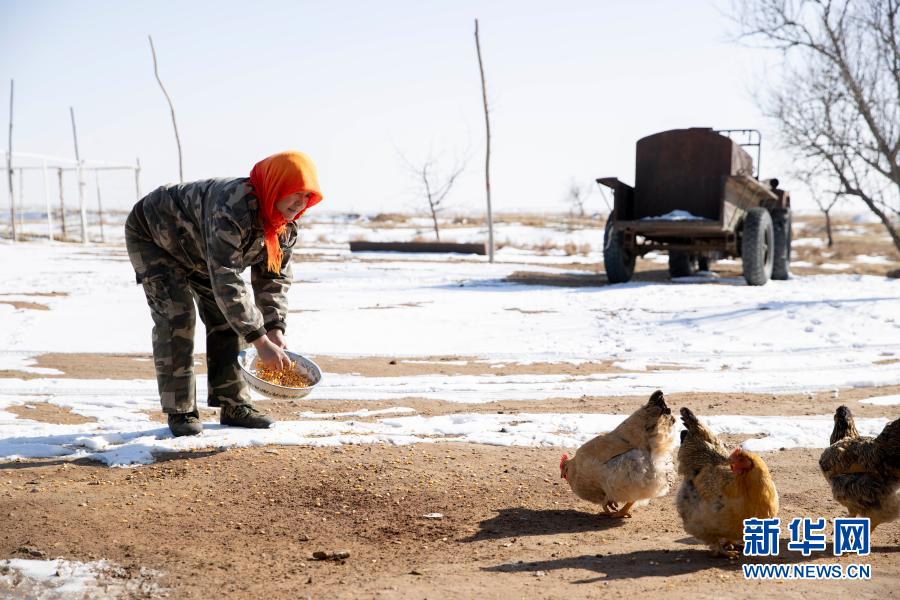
(352, 84)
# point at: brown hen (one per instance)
(720, 490)
(864, 472)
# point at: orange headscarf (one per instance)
(273, 178)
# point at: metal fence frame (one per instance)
(62, 165)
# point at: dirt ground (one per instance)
(246, 522)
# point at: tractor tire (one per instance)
(681, 264)
(781, 256)
(757, 246)
(619, 262)
(703, 264)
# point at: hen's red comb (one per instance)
(562, 465)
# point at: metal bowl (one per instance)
(305, 366)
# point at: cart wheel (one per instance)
(619, 262)
(681, 264)
(781, 225)
(757, 246)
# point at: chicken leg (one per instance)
(725, 549)
(622, 513)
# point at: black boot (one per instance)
(244, 415)
(185, 423)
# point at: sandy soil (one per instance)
(48, 413)
(246, 522)
(38, 294)
(22, 304)
(96, 366)
(140, 366)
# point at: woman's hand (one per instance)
(271, 355)
(277, 337)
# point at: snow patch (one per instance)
(24, 362)
(868, 259)
(809, 242)
(398, 410)
(882, 400)
(59, 578)
(676, 215)
(123, 439)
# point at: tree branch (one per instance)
(171, 108)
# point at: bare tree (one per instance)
(838, 102)
(825, 199)
(576, 196)
(171, 108)
(826, 205)
(433, 183)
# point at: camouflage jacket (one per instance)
(211, 228)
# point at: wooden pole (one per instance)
(487, 156)
(47, 201)
(137, 179)
(171, 108)
(9, 171)
(81, 182)
(99, 206)
(62, 204)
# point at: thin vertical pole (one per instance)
(9, 171)
(21, 203)
(62, 205)
(81, 182)
(47, 201)
(487, 156)
(99, 206)
(137, 179)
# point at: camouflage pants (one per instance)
(171, 293)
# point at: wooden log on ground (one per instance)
(441, 247)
